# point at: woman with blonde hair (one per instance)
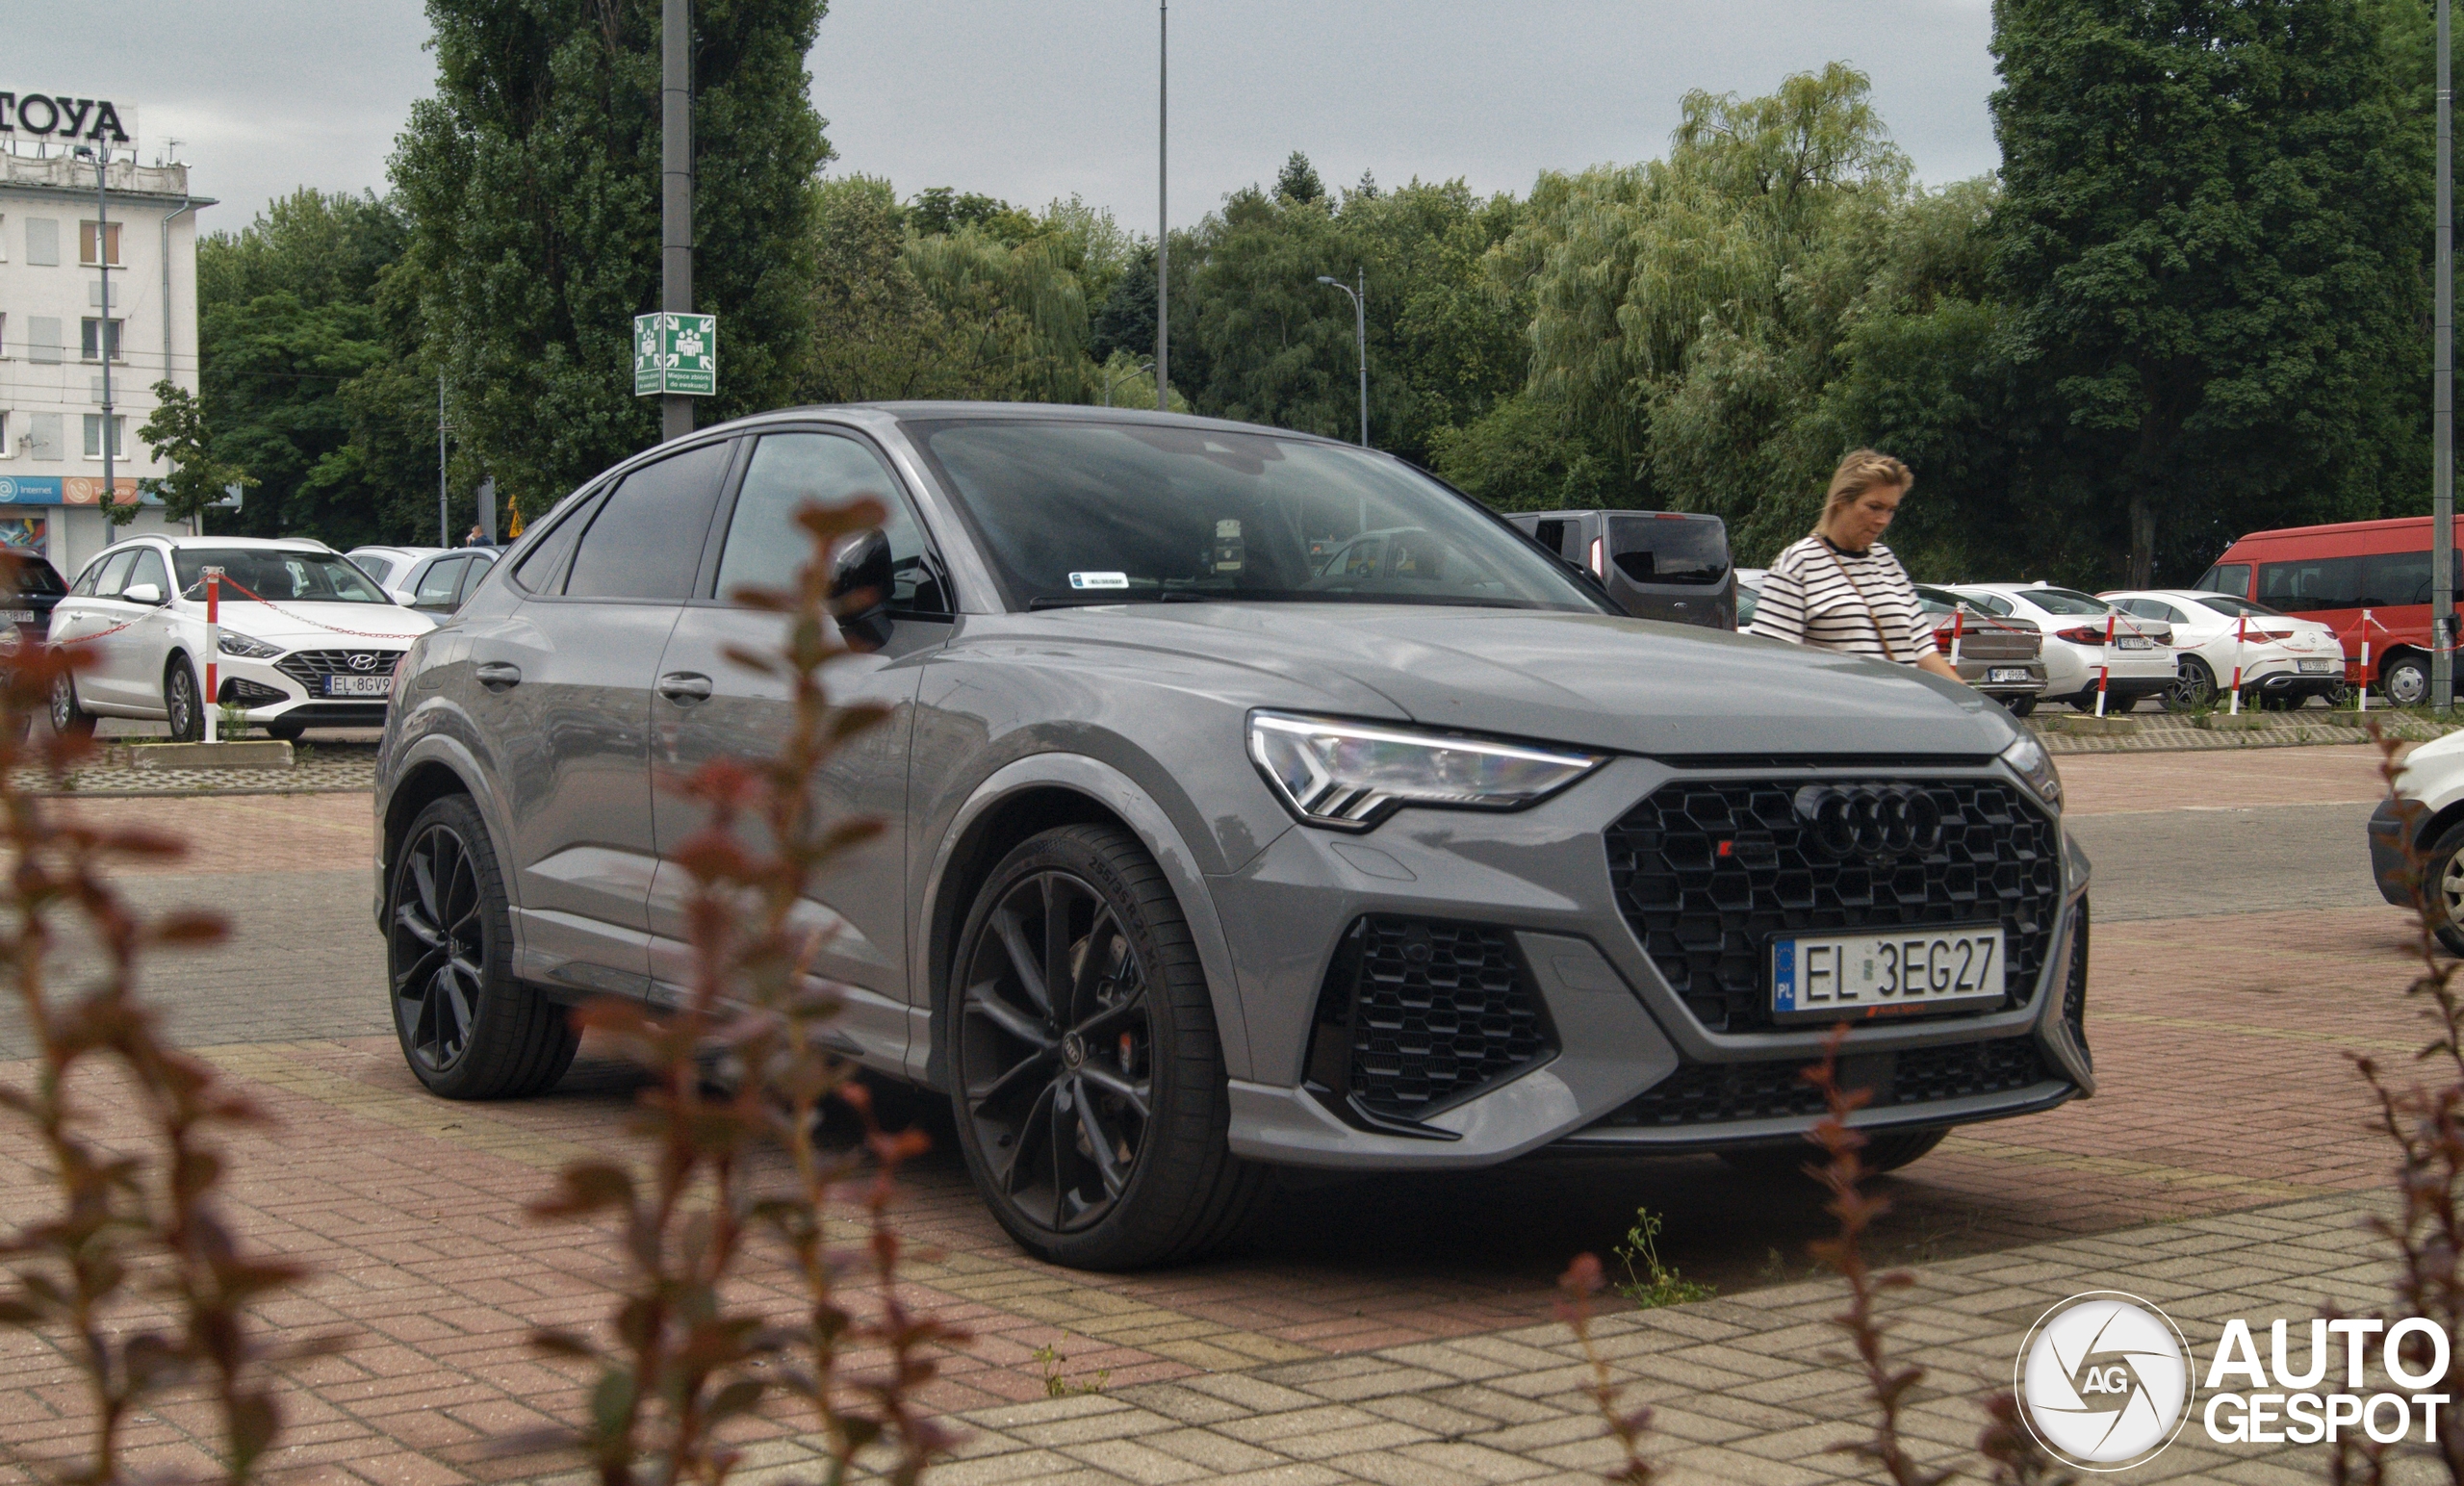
(1840, 589)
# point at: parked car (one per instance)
(388, 564)
(438, 583)
(1749, 593)
(1671, 565)
(307, 640)
(2283, 661)
(2075, 625)
(2002, 656)
(2417, 839)
(1202, 857)
(2335, 574)
(30, 588)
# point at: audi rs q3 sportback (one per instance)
(1204, 855)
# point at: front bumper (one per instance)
(2390, 867)
(1627, 1065)
(290, 688)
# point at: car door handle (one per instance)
(498, 674)
(685, 687)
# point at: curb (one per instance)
(270, 754)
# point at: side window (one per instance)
(378, 568)
(149, 568)
(438, 584)
(471, 574)
(542, 566)
(1552, 535)
(2313, 583)
(766, 546)
(646, 540)
(114, 574)
(2228, 577)
(1991, 604)
(2167, 613)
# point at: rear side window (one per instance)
(378, 568)
(646, 540)
(439, 582)
(2391, 578)
(1552, 534)
(1653, 549)
(477, 570)
(2315, 583)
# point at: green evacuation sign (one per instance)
(675, 353)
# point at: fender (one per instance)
(439, 747)
(1117, 793)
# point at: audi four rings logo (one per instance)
(363, 661)
(1870, 820)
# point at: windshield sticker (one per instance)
(1099, 581)
(1228, 551)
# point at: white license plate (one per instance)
(21, 616)
(2316, 667)
(1873, 975)
(2134, 642)
(2006, 674)
(358, 685)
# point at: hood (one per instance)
(1595, 680)
(303, 624)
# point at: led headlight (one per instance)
(2034, 765)
(1352, 776)
(247, 648)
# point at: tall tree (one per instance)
(2211, 236)
(531, 181)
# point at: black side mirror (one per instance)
(861, 579)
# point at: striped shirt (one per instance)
(1859, 604)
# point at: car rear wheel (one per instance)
(180, 706)
(468, 1028)
(2019, 707)
(66, 716)
(2406, 681)
(1087, 1081)
(2193, 686)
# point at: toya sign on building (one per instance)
(59, 116)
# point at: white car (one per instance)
(389, 565)
(2284, 661)
(307, 639)
(2075, 625)
(2426, 815)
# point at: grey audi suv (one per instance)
(1206, 856)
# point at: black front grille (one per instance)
(1711, 1093)
(239, 692)
(1709, 871)
(2074, 994)
(1420, 1015)
(306, 666)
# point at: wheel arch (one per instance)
(1034, 795)
(437, 767)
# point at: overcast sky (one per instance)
(1032, 99)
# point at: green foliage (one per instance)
(177, 433)
(531, 185)
(1654, 1284)
(1056, 1386)
(1527, 454)
(1298, 181)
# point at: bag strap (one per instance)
(1873, 616)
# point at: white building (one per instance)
(56, 329)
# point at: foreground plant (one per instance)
(135, 1273)
(1628, 1427)
(1652, 1284)
(680, 1364)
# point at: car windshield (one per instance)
(1112, 512)
(2064, 601)
(275, 575)
(2226, 604)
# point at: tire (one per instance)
(67, 718)
(2406, 681)
(1883, 1153)
(469, 1030)
(181, 708)
(2193, 686)
(287, 733)
(1039, 1081)
(2442, 887)
(2019, 707)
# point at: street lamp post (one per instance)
(2441, 580)
(676, 189)
(1360, 328)
(1164, 209)
(1111, 379)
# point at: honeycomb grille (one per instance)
(242, 692)
(1428, 1013)
(1710, 1093)
(1707, 914)
(2074, 994)
(305, 666)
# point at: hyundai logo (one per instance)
(1873, 821)
(364, 660)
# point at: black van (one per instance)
(1671, 565)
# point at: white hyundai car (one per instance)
(2417, 839)
(2284, 661)
(307, 639)
(2141, 657)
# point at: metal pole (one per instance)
(103, 335)
(444, 522)
(2442, 665)
(1164, 209)
(676, 188)
(1360, 325)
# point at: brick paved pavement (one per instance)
(1396, 1350)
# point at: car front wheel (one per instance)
(2443, 888)
(468, 1028)
(1087, 1079)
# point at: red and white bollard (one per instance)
(2105, 671)
(1959, 628)
(2241, 635)
(213, 651)
(2361, 693)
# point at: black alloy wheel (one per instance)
(2193, 686)
(66, 716)
(180, 706)
(1088, 1086)
(468, 1028)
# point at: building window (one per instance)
(43, 242)
(85, 235)
(42, 339)
(93, 337)
(94, 435)
(7, 449)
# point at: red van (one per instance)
(2366, 579)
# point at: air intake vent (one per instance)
(1420, 1015)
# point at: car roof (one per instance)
(1015, 412)
(260, 544)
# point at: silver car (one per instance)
(1203, 858)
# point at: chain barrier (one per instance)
(301, 619)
